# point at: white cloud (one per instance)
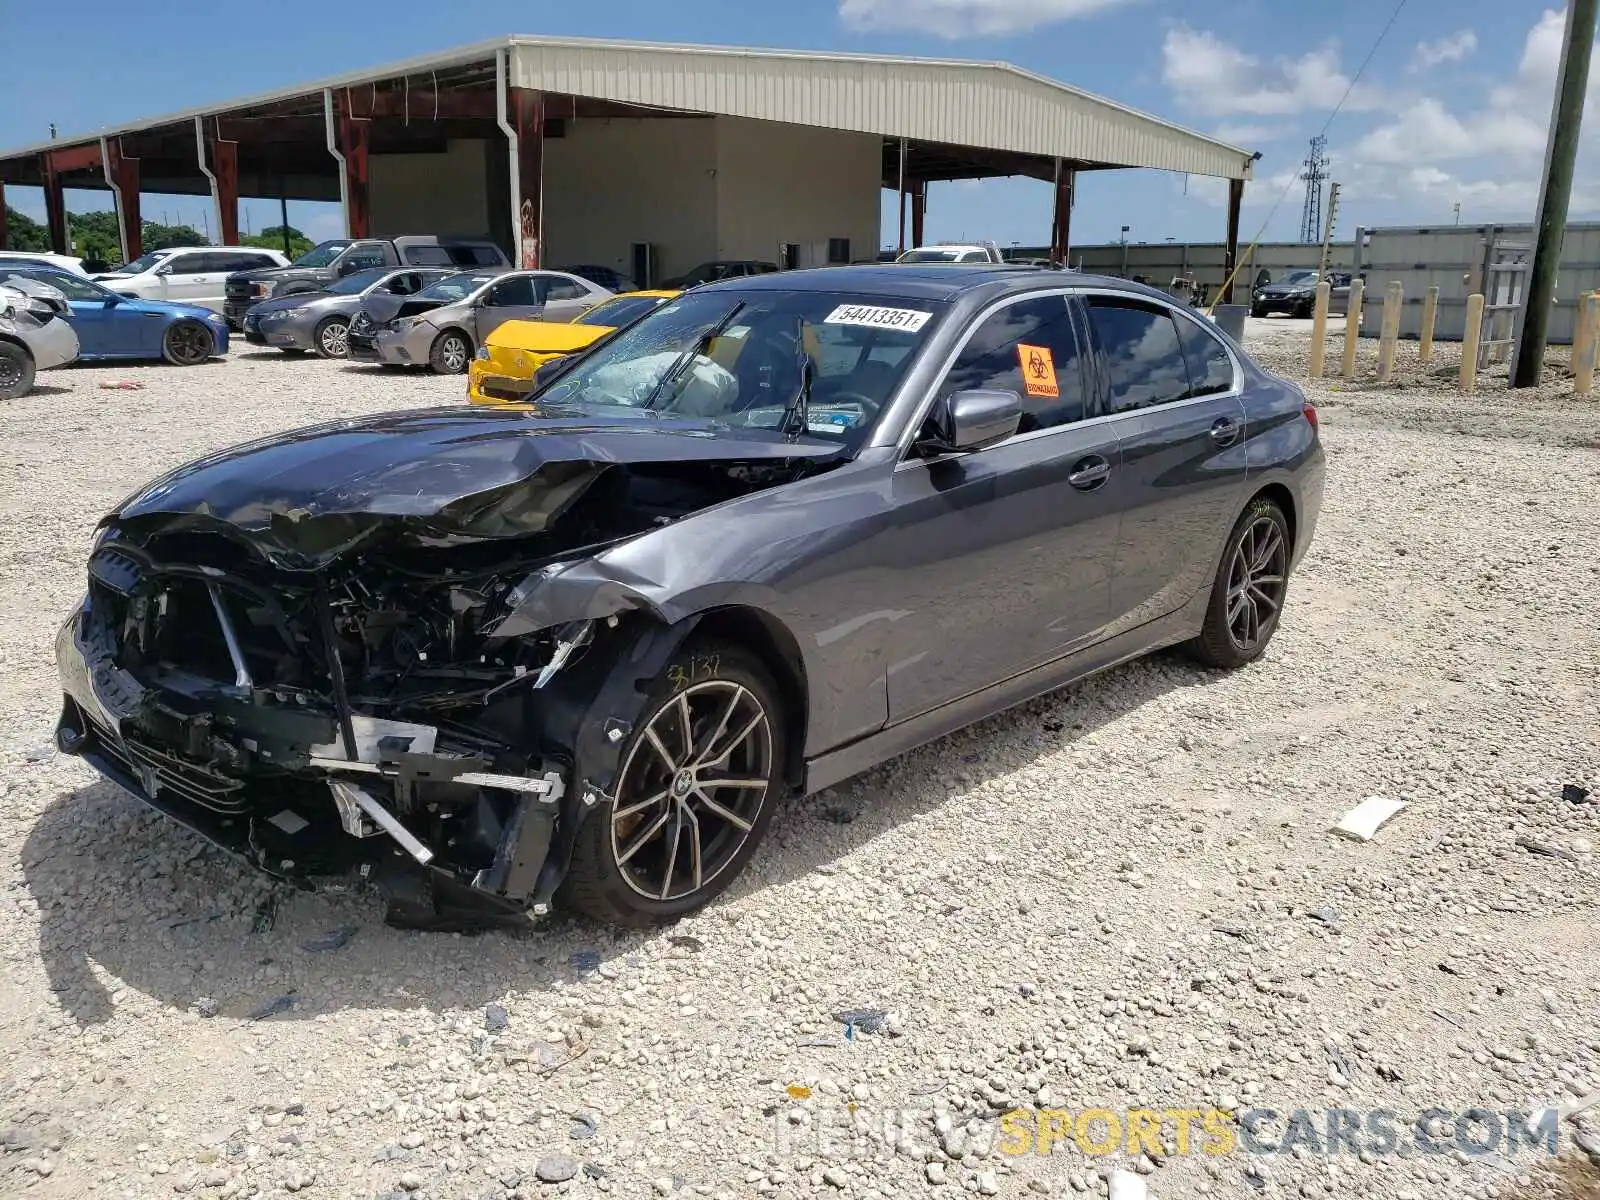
(964, 18)
(1218, 79)
(1249, 134)
(1451, 48)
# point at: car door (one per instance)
(187, 277)
(517, 297)
(1183, 456)
(1005, 554)
(567, 298)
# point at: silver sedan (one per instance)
(320, 321)
(443, 325)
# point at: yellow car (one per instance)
(503, 371)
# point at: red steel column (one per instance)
(527, 114)
(2, 216)
(1061, 225)
(1230, 253)
(55, 205)
(353, 139)
(919, 211)
(125, 172)
(225, 166)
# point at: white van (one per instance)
(188, 274)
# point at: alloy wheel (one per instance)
(334, 338)
(1257, 576)
(691, 790)
(453, 352)
(189, 343)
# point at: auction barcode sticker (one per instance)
(909, 319)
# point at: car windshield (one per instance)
(931, 256)
(454, 287)
(1299, 279)
(620, 311)
(321, 256)
(144, 262)
(739, 360)
(73, 287)
(359, 282)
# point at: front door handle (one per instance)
(1089, 473)
(1225, 431)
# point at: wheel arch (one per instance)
(770, 640)
(11, 340)
(1280, 495)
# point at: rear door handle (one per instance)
(1089, 473)
(1225, 431)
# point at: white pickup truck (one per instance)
(977, 252)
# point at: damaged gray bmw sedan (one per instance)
(764, 538)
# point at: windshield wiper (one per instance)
(797, 417)
(690, 353)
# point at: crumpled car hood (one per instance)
(310, 495)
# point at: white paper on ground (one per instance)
(1125, 1185)
(1366, 818)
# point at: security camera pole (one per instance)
(1555, 192)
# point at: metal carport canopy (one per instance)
(992, 105)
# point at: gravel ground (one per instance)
(1122, 895)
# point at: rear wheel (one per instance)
(450, 353)
(1258, 311)
(16, 371)
(697, 788)
(187, 344)
(1248, 594)
(332, 338)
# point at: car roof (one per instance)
(931, 281)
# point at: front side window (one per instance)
(356, 283)
(145, 262)
(1027, 348)
(190, 264)
(73, 287)
(1143, 357)
(516, 292)
(454, 287)
(1210, 365)
(363, 258)
(744, 361)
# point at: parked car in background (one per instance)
(112, 326)
(502, 371)
(35, 335)
(608, 278)
(442, 326)
(977, 252)
(334, 259)
(320, 321)
(1296, 294)
(708, 272)
(187, 274)
(769, 536)
(42, 258)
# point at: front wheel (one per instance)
(1248, 594)
(332, 338)
(16, 371)
(187, 344)
(1258, 312)
(451, 352)
(697, 788)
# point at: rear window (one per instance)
(473, 256)
(427, 256)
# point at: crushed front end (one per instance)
(357, 718)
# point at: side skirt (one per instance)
(837, 765)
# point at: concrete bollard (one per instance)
(1430, 316)
(1319, 328)
(1470, 338)
(1389, 331)
(1352, 327)
(1583, 344)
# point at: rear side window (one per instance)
(565, 289)
(1143, 357)
(473, 256)
(1028, 348)
(427, 256)
(1210, 366)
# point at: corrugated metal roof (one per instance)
(992, 105)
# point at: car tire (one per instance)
(450, 353)
(1306, 310)
(187, 344)
(620, 857)
(1248, 594)
(331, 338)
(1258, 312)
(17, 370)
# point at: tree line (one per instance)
(95, 239)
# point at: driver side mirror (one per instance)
(971, 420)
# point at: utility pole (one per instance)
(1457, 207)
(1555, 192)
(1327, 230)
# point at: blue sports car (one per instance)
(112, 326)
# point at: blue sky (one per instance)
(1452, 109)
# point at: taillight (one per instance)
(1310, 411)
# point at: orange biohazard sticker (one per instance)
(1038, 371)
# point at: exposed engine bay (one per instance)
(337, 690)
